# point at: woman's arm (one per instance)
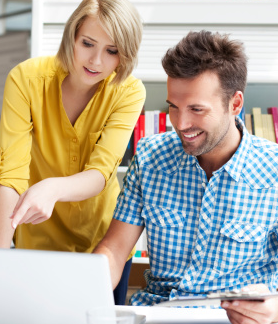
(8, 200)
(36, 204)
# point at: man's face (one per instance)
(198, 115)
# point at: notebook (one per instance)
(43, 287)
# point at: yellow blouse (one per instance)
(37, 141)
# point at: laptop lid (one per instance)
(43, 287)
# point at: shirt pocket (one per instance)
(163, 217)
(240, 245)
(167, 239)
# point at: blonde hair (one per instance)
(121, 22)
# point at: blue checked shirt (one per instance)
(203, 235)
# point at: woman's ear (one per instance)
(237, 103)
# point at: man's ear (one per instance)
(236, 103)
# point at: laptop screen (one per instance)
(43, 287)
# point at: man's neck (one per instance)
(216, 158)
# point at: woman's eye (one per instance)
(87, 44)
(112, 52)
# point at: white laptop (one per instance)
(42, 287)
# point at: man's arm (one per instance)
(117, 244)
(8, 200)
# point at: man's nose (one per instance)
(184, 121)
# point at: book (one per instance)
(141, 126)
(271, 132)
(162, 122)
(274, 112)
(156, 121)
(265, 127)
(169, 126)
(149, 122)
(136, 135)
(248, 123)
(141, 245)
(257, 121)
(128, 153)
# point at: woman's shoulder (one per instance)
(37, 67)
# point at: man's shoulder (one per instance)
(159, 151)
(261, 147)
(261, 164)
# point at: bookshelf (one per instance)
(14, 49)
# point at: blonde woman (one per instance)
(66, 121)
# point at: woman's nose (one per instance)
(96, 58)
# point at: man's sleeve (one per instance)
(130, 200)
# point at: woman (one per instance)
(65, 124)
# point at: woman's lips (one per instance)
(91, 72)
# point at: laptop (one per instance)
(43, 287)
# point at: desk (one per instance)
(167, 315)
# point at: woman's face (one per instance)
(95, 54)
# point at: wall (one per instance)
(256, 95)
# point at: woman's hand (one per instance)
(252, 312)
(36, 204)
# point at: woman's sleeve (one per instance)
(111, 146)
(15, 133)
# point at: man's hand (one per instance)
(36, 204)
(252, 312)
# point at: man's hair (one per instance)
(203, 51)
(121, 22)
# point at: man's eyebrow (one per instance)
(170, 103)
(94, 40)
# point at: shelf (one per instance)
(140, 260)
(122, 169)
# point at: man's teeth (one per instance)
(192, 135)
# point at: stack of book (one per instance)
(150, 122)
(263, 124)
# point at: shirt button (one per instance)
(74, 158)
(199, 248)
(204, 184)
(74, 140)
(187, 277)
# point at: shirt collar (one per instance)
(237, 162)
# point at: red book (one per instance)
(274, 112)
(141, 126)
(136, 135)
(162, 122)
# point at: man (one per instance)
(207, 193)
